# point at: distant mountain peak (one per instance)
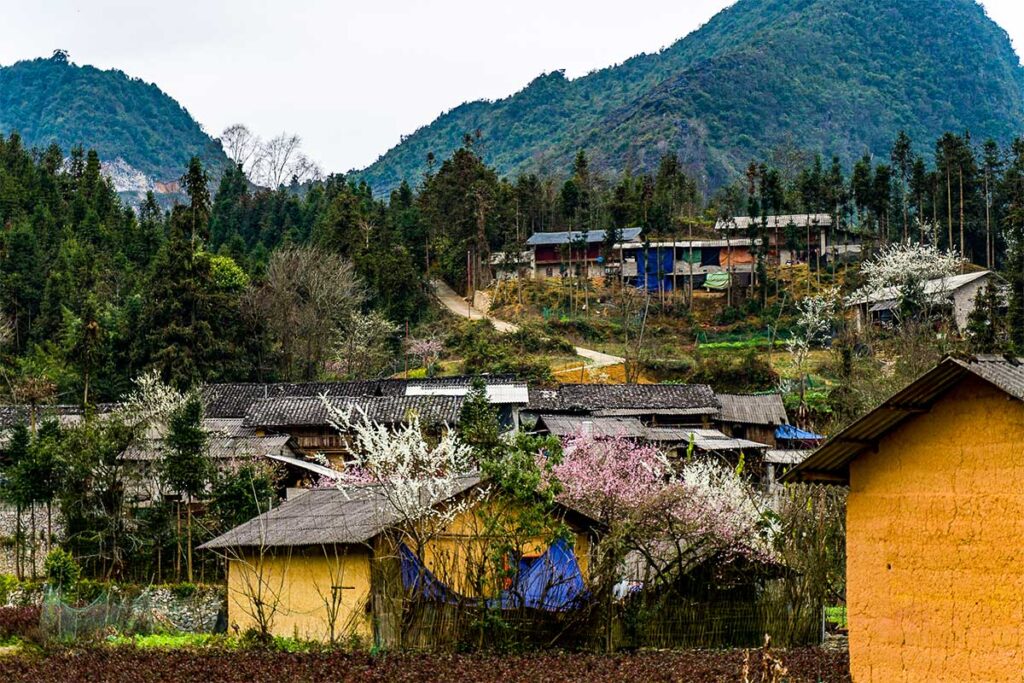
(837, 77)
(130, 123)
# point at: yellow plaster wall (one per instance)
(935, 534)
(300, 581)
(459, 551)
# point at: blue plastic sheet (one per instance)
(791, 433)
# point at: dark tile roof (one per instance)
(11, 415)
(325, 517)
(625, 399)
(234, 400)
(228, 439)
(766, 409)
(311, 412)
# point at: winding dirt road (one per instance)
(461, 307)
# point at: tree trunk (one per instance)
(32, 541)
(963, 252)
(177, 538)
(188, 512)
(19, 569)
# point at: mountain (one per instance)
(832, 76)
(143, 136)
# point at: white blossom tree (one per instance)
(902, 272)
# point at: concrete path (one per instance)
(461, 307)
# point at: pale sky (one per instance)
(350, 76)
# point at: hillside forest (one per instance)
(239, 283)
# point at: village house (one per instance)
(798, 238)
(935, 526)
(957, 294)
(667, 266)
(299, 411)
(574, 253)
(334, 563)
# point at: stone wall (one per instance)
(8, 529)
(178, 608)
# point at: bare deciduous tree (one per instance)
(308, 295)
(241, 145)
(270, 163)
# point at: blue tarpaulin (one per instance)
(654, 268)
(419, 581)
(791, 433)
(553, 582)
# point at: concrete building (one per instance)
(935, 526)
(957, 293)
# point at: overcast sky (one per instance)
(351, 77)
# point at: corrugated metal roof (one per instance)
(610, 427)
(710, 440)
(831, 461)
(605, 427)
(765, 409)
(781, 221)
(313, 467)
(933, 288)
(498, 394)
(781, 457)
(592, 237)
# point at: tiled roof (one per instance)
(302, 411)
(11, 415)
(625, 399)
(325, 517)
(228, 440)
(766, 409)
(234, 400)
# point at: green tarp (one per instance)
(685, 256)
(718, 281)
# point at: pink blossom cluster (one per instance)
(610, 477)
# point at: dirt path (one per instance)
(459, 306)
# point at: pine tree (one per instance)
(478, 421)
(185, 467)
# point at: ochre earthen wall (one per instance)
(936, 545)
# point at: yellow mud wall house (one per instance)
(935, 526)
(307, 569)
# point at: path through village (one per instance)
(461, 307)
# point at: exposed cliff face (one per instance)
(834, 76)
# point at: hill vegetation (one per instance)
(53, 101)
(839, 77)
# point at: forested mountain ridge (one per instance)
(52, 101)
(840, 77)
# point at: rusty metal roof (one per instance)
(831, 461)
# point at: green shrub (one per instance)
(183, 590)
(62, 572)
